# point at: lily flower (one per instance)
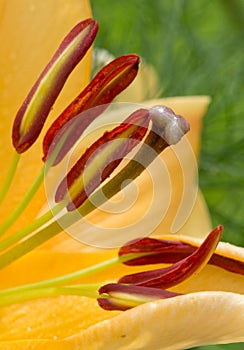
(40, 307)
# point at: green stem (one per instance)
(81, 290)
(132, 170)
(70, 277)
(10, 175)
(10, 220)
(51, 287)
(33, 226)
(23, 204)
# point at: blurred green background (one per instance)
(196, 47)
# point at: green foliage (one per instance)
(237, 346)
(196, 48)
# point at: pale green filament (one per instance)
(131, 171)
(48, 287)
(23, 204)
(33, 226)
(81, 290)
(51, 287)
(10, 220)
(9, 178)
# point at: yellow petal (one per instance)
(30, 33)
(178, 323)
(51, 318)
(64, 316)
(34, 344)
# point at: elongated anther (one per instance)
(101, 158)
(123, 297)
(32, 114)
(160, 251)
(178, 272)
(105, 86)
(157, 251)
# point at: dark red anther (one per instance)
(85, 177)
(178, 272)
(124, 297)
(168, 252)
(106, 85)
(33, 113)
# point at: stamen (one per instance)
(159, 251)
(168, 252)
(32, 114)
(124, 297)
(106, 85)
(131, 171)
(164, 122)
(178, 272)
(100, 160)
